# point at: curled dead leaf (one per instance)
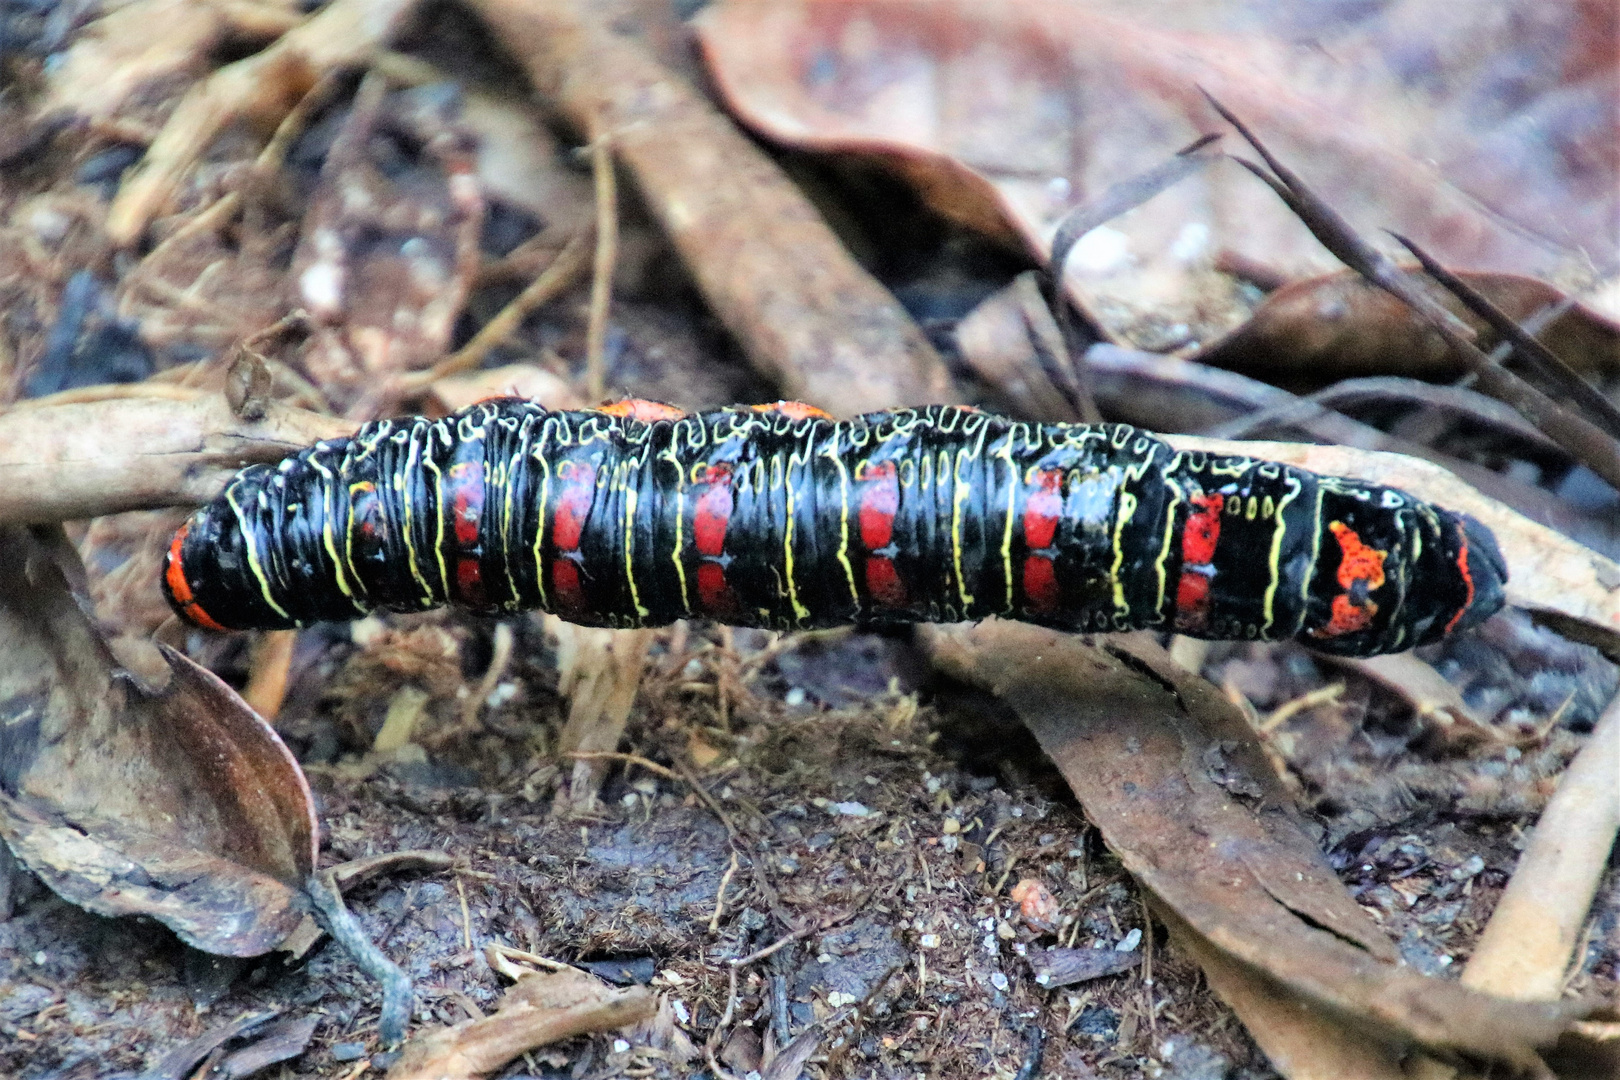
(182, 804)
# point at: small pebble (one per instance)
(999, 981)
(794, 697)
(348, 1051)
(1129, 941)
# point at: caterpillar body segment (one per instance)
(780, 516)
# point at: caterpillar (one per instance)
(637, 514)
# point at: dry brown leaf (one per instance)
(182, 805)
(540, 1008)
(807, 315)
(150, 446)
(1317, 331)
(1569, 586)
(1005, 115)
(1170, 774)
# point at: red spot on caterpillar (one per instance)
(367, 511)
(1192, 601)
(793, 410)
(1041, 592)
(467, 500)
(1467, 576)
(565, 583)
(1041, 510)
(714, 593)
(1361, 570)
(643, 410)
(712, 512)
(1203, 530)
(469, 581)
(1199, 538)
(174, 575)
(573, 504)
(883, 582)
(879, 502)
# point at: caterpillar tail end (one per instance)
(1484, 574)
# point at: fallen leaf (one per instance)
(182, 805)
(1131, 732)
(538, 1009)
(1317, 331)
(1006, 115)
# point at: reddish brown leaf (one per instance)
(1005, 115)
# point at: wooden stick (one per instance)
(1529, 943)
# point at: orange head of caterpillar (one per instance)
(177, 588)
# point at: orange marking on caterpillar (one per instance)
(642, 409)
(180, 588)
(1361, 569)
(1467, 576)
(793, 410)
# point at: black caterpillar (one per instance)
(636, 514)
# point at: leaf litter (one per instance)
(813, 853)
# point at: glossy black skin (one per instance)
(793, 552)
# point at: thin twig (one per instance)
(1529, 942)
(562, 272)
(634, 759)
(1582, 439)
(1544, 360)
(720, 894)
(466, 916)
(335, 919)
(1073, 379)
(607, 253)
